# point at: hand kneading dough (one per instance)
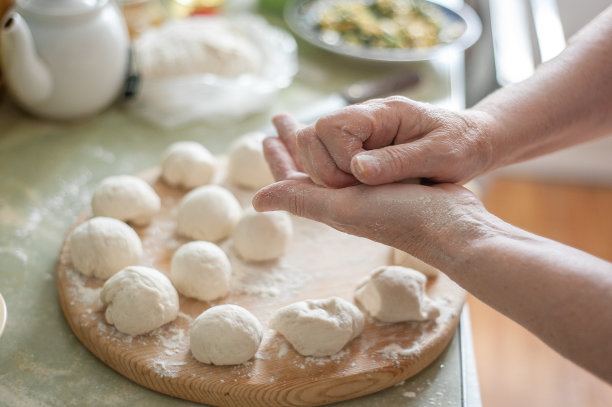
(208, 213)
(102, 246)
(139, 299)
(126, 198)
(225, 335)
(318, 327)
(201, 270)
(395, 294)
(262, 236)
(187, 164)
(246, 164)
(401, 258)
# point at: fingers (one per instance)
(281, 163)
(318, 163)
(287, 128)
(300, 198)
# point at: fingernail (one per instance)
(364, 165)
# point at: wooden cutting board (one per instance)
(320, 262)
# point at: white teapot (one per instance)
(64, 59)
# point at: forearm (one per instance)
(567, 101)
(559, 293)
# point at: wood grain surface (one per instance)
(320, 262)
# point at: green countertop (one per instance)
(48, 172)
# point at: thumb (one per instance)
(390, 164)
(300, 198)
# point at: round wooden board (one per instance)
(320, 262)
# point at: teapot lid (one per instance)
(60, 7)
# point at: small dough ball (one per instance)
(201, 270)
(208, 213)
(395, 294)
(246, 165)
(225, 335)
(262, 236)
(126, 198)
(139, 299)
(187, 164)
(102, 246)
(318, 327)
(401, 258)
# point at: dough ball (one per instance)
(246, 165)
(139, 299)
(208, 213)
(395, 294)
(225, 335)
(262, 236)
(201, 270)
(187, 164)
(126, 198)
(318, 327)
(401, 258)
(102, 246)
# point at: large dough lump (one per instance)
(187, 164)
(208, 213)
(260, 236)
(201, 270)
(126, 198)
(395, 294)
(139, 300)
(318, 327)
(225, 335)
(246, 164)
(102, 246)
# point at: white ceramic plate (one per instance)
(302, 16)
(2, 314)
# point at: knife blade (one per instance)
(355, 93)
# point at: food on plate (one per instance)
(260, 236)
(247, 166)
(383, 23)
(201, 270)
(401, 258)
(209, 212)
(187, 164)
(102, 246)
(225, 335)
(396, 294)
(139, 299)
(126, 198)
(318, 327)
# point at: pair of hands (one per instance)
(344, 171)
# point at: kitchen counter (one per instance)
(49, 171)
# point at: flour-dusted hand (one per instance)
(387, 140)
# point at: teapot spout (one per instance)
(26, 74)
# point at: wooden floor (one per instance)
(514, 367)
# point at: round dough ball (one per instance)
(262, 236)
(139, 299)
(318, 327)
(401, 258)
(187, 164)
(225, 335)
(208, 213)
(246, 165)
(126, 198)
(102, 246)
(395, 294)
(201, 270)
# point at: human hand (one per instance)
(388, 140)
(422, 220)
